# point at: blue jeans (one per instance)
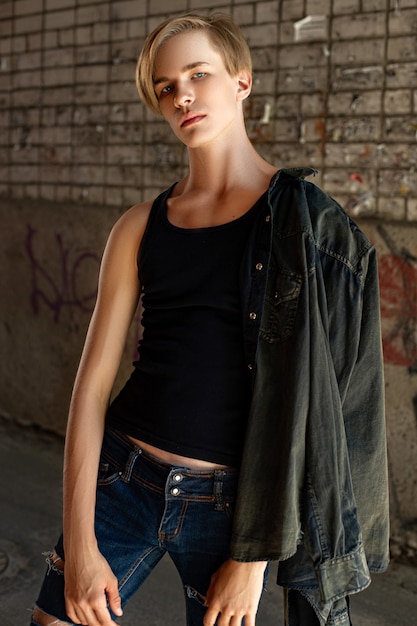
(299, 612)
(146, 508)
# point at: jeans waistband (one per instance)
(123, 452)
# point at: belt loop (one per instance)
(217, 490)
(130, 464)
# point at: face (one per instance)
(196, 95)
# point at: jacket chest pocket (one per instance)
(281, 302)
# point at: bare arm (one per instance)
(87, 575)
(234, 593)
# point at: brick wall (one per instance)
(337, 91)
(342, 98)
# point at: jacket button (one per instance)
(259, 266)
(252, 316)
(250, 367)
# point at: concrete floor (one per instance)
(30, 500)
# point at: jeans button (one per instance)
(175, 491)
(177, 478)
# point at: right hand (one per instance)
(88, 587)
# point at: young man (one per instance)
(252, 427)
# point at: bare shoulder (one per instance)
(134, 220)
(128, 231)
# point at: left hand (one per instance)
(234, 593)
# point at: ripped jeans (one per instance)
(146, 508)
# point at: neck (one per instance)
(226, 165)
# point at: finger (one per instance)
(75, 615)
(210, 617)
(98, 618)
(114, 600)
(249, 620)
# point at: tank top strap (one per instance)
(157, 206)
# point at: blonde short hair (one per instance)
(225, 36)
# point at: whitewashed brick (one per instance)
(53, 5)
(50, 39)
(261, 35)
(59, 19)
(398, 128)
(345, 6)
(93, 14)
(119, 31)
(101, 32)
(318, 7)
(159, 7)
(355, 103)
(403, 22)
(266, 12)
(25, 7)
(302, 55)
(29, 24)
(243, 14)
(353, 154)
(358, 26)
(7, 44)
(292, 10)
(23, 80)
(88, 93)
(34, 41)
(311, 105)
(6, 28)
(127, 10)
(391, 208)
(364, 52)
(56, 77)
(18, 44)
(91, 74)
(302, 80)
(402, 49)
(123, 92)
(6, 9)
(366, 77)
(137, 31)
(83, 35)
(371, 5)
(401, 75)
(92, 55)
(27, 97)
(66, 37)
(412, 209)
(203, 4)
(58, 57)
(397, 102)
(354, 129)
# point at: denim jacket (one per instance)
(313, 489)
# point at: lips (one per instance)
(190, 118)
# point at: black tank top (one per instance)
(189, 392)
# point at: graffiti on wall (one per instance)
(59, 283)
(398, 285)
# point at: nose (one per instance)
(183, 96)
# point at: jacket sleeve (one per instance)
(364, 419)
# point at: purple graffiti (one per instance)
(58, 285)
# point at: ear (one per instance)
(244, 84)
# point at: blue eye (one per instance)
(167, 89)
(199, 75)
